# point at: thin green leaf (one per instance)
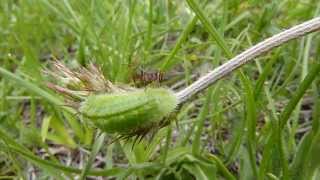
(45, 127)
(95, 149)
(31, 87)
(305, 84)
(196, 144)
(168, 62)
(209, 27)
(251, 122)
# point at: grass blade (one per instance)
(30, 86)
(251, 119)
(305, 84)
(95, 149)
(196, 145)
(209, 27)
(168, 62)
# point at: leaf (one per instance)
(168, 62)
(31, 87)
(222, 169)
(305, 84)
(200, 169)
(27, 154)
(209, 27)
(285, 115)
(61, 134)
(200, 122)
(95, 149)
(250, 113)
(176, 153)
(196, 171)
(45, 127)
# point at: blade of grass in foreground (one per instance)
(200, 123)
(44, 94)
(224, 170)
(223, 45)
(168, 62)
(27, 154)
(30, 86)
(96, 147)
(209, 27)
(285, 115)
(251, 122)
(167, 144)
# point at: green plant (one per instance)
(261, 123)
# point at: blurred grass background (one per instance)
(262, 123)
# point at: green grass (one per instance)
(260, 123)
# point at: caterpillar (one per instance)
(134, 112)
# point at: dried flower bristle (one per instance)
(76, 85)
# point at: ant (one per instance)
(147, 77)
(142, 77)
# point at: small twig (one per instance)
(246, 56)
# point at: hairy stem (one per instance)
(246, 56)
